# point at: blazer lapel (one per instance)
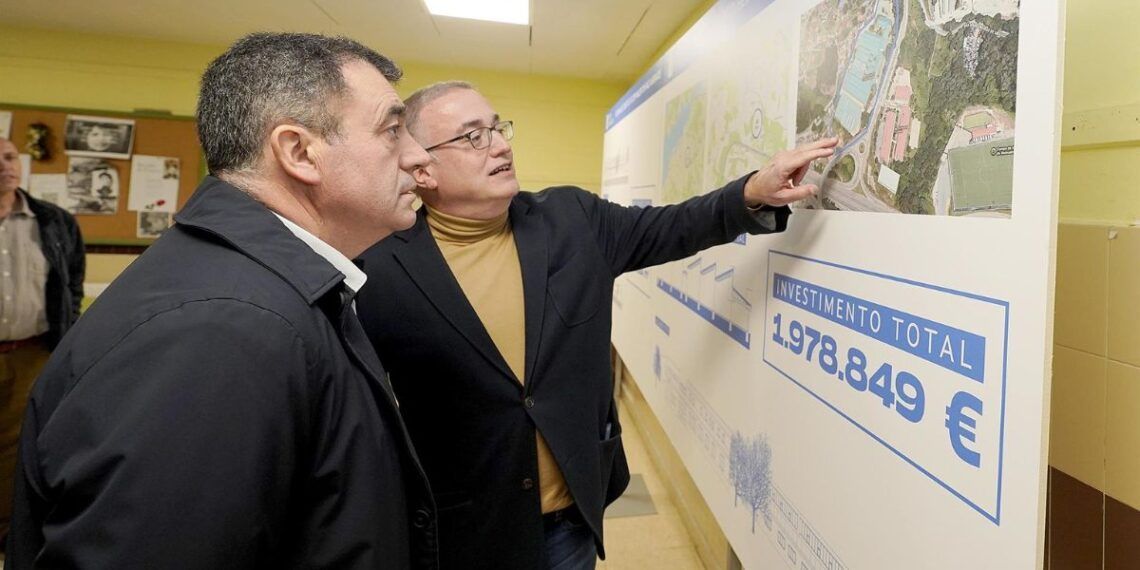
(427, 268)
(530, 240)
(357, 345)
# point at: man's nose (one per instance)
(499, 143)
(414, 155)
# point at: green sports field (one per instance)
(981, 177)
(976, 120)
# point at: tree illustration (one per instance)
(750, 469)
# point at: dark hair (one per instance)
(265, 79)
(416, 102)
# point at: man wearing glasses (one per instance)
(493, 320)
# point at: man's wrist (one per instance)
(752, 204)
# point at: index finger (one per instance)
(801, 157)
(821, 144)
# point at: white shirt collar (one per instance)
(354, 278)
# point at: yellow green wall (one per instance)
(66, 69)
(1099, 179)
(559, 121)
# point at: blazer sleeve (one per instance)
(632, 238)
(177, 449)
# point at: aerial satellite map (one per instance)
(922, 95)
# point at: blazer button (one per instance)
(528, 484)
(420, 519)
(528, 402)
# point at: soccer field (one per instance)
(976, 120)
(981, 176)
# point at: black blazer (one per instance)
(219, 407)
(62, 246)
(472, 422)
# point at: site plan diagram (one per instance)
(921, 94)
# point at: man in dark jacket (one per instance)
(494, 320)
(42, 263)
(219, 405)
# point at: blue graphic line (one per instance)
(994, 517)
(719, 321)
(1001, 441)
(949, 347)
(974, 296)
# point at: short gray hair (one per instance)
(416, 102)
(265, 79)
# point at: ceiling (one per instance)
(608, 40)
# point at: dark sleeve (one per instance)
(632, 238)
(180, 448)
(77, 265)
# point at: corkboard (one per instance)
(154, 135)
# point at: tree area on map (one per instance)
(922, 94)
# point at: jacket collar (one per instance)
(249, 227)
(37, 208)
(422, 260)
(22, 205)
(530, 239)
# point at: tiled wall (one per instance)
(1094, 450)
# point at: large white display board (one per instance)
(869, 389)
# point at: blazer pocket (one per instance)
(614, 473)
(456, 526)
(575, 289)
(452, 501)
(607, 450)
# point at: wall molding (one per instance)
(1101, 128)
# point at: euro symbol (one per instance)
(962, 426)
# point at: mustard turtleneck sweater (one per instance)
(483, 257)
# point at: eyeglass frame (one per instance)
(497, 128)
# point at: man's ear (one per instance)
(295, 150)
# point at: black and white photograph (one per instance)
(102, 137)
(152, 224)
(171, 169)
(92, 187)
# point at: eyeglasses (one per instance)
(480, 138)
